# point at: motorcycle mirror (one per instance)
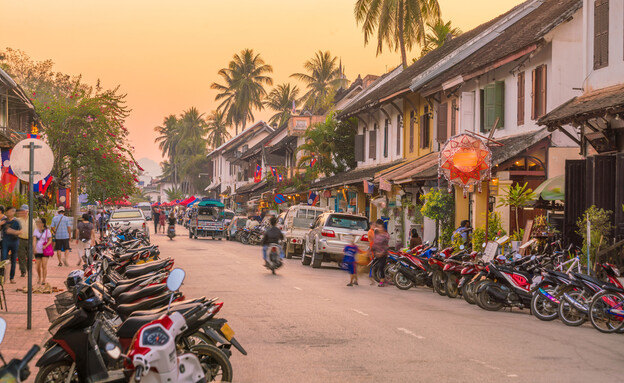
(311, 225)
(483, 245)
(175, 279)
(113, 351)
(3, 326)
(532, 257)
(462, 247)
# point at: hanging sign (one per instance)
(279, 198)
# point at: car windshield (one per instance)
(348, 222)
(127, 214)
(207, 213)
(241, 222)
(305, 217)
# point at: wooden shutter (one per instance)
(494, 105)
(411, 132)
(359, 146)
(467, 108)
(372, 143)
(442, 122)
(385, 143)
(399, 125)
(520, 98)
(424, 129)
(542, 91)
(453, 117)
(533, 94)
(601, 33)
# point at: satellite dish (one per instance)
(20, 159)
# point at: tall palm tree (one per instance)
(324, 77)
(282, 100)
(438, 35)
(243, 88)
(167, 140)
(217, 129)
(399, 23)
(192, 126)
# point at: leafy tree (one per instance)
(517, 197)
(495, 229)
(243, 88)
(281, 99)
(439, 206)
(399, 24)
(324, 76)
(168, 142)
(217, 129)
(174, 193)
(438, 34)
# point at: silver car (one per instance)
(330, 233)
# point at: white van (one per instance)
(146, 208)
(296, 225)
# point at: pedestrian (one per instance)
(10, 241)
(22, 250)
(161, 222)
(156, 218)
(2, 221)
(350, 251)
(61, 227)
(42, 241)
(463, 230)
(84, 235)
(415, 240)
(380, 251)
(371, 239)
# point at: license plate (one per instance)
(227, 331)
(347, 238)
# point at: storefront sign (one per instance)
(384, 185)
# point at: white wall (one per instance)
(379, 118)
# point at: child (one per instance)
(350, 252)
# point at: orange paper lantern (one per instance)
(465, 161)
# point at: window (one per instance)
(453, 117)
(601, 33)
(538, 107)
(521, 98)
(424, 129)
(126, 214)
(399, 125)
(411, 132)
(372, 143)
(359, 147)
(348, 222)
(442, 122)
(493, 106)
(387, 122)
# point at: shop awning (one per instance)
(212, 186)
(553, 189)
(250, 187)
(426, 165)
(350, 177)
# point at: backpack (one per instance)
(84, 230)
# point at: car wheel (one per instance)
(190, 234)
(289, 253)
(305, 258)
(317, 259)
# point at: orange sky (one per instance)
(165, 54)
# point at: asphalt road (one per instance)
(306, 325)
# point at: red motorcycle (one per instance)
(438, 278)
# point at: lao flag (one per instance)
(6, 162)
(274, 171)
(258, 174)
(279, 178)
(369, 187)
(42, 186)
(63, 198)
(313, 198)
(313, 162)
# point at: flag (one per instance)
(30, 135)
(313, 162)
(313, 198)
(273, 171)
(279, 178)
(258, 174)
(63, 198)
(8, 181)
(369, 188)
(6, 162)
(42, 186)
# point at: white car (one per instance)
(132, 218)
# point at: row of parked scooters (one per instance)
(550, 285)
(124, 319)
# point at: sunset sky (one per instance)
(165, 54)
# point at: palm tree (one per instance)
(217, 129)
(438, 35)
(167, 140)
(243, 91)
(192, 126)
(399, 23)
(282, 100)
(324, 77)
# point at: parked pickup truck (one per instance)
(295, 226)
(207, 220)
(129, 217)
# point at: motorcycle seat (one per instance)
(147, 291)
(140, 249)
(613, 288)
(131, 325)
(126, 309)
(589, 279)
(175, 306)
(136, 270)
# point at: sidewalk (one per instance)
(17, 339)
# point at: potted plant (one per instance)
(517, 197)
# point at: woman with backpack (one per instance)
(42, 238)
(84, 234)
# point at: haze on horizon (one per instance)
(165, 54)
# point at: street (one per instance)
(306, 325)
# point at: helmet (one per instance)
(74, 278)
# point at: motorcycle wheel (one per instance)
(468, 292)
(401, 282)
(486, 302)
(214, 362)
(542, 307)
(568, 314)
(244, 240)
(389, 271)
(56, 372)
(599, 314)
(452, 291)
(439, 282)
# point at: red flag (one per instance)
(8, 182)
(258, 174)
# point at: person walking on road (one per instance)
(162, 219)
(380, 251)
(61, 227)
(10, 241)
(371, 240)
(84, 235)
(350, 251)
(42, 239)
(22, 250)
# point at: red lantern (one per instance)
(465, 161)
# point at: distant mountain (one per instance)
(151, 167)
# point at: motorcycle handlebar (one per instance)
(29, 355)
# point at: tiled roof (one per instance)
(591, 104)
(250, 187)
(351, 176)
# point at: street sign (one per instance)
(279, 198)
(20, 160)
